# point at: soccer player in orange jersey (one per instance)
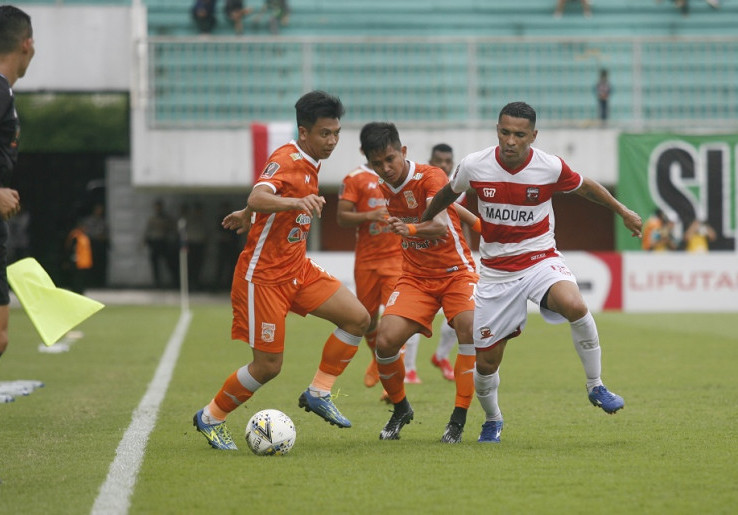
(274, 276)
(378, 261)
(438, 271)
(442, 156)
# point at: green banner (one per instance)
(688, 177)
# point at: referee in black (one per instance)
(16, 52)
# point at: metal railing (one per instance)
(219, 82)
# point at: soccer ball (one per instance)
(270, 432)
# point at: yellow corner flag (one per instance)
(53, 311)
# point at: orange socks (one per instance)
(231, 395)
(464, 378)
(338, 352)
(392, 376)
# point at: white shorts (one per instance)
(501, 309)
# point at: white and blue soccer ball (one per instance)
(270, 432)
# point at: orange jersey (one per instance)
(375, 243)
(421, 257)
(277, 242)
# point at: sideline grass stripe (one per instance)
(115, 493)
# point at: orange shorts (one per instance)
(373, 287)
(419, 298)
(259, 310)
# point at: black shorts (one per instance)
(4, 288)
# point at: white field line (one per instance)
(115, 493)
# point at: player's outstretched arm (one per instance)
(596, 192)
(465, 215)
(435, 229)
(264, 200)
(347, 216)
(441, 201)
(239, 221)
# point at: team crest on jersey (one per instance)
(267, 332)
(532, 194)
(410, 199)
(296, 156)
(485, 332)
(270, 169)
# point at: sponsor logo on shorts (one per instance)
(393, 298)
(267, 332)
(485, 332)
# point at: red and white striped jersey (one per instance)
(515, 208)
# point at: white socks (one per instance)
(411, 351)
(587, 344)
(486, 388)
(446, 341)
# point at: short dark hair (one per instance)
(442, 147)
(317, 104)
(15, 27)
(519, 110)
(377, 136)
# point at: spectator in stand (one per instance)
(658, 233)
(603, 89)
(236, 11)
(277, 12)
(683, 5)
(561, 4)
(203, 13)
(698, 236)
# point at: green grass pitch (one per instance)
(671, 450)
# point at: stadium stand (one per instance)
(468, 17)
(440, 61)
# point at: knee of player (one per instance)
(386, 347)
(363, 320)
(465, 335)
(265, 370)
(575, 311)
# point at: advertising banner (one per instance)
(688, 177)
(680, 282)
